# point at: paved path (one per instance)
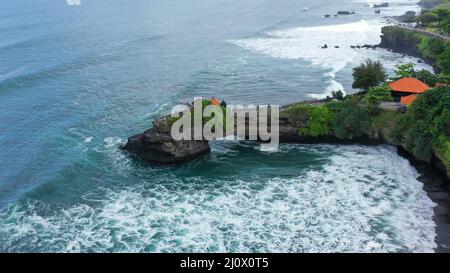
(424, 32)
(393, 106)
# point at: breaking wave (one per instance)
(365, 199)
(306, 43)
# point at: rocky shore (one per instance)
(406, 42)
(157, 146)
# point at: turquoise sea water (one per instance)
(76, 81)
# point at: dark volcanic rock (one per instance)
(404, 42)
(345, 12)
(157, 145)
(429, 4)
(408, 17)
(383, 5)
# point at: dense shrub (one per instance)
(431, 47)
(351, 121)
(337, 95)
(375, 96)
(320, 121)
(429, 119)
(311, 120)
(404, 71)
(418, 141)
(298, 114)
(427, 77)
(444, 60)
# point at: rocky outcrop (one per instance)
(404, 41)
(384, 136)
(407, 17)
(345, 12)
(383, 5)
(429, 4)
(156, 145)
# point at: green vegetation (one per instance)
(352, 121)
(404, 70)
(375, 96)
(408, 71)
(205, 103)
(436, 19)
(313, 121)
(319, 121)
(431, 48)
(427, 124)
(423, 130)
(337, 95)
(343, 119)
(369, 74)
(427, 77)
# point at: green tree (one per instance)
(427, 18)
(375, 96)
(444, 60)
(429, 123)
(404, 71)
(443, 16)
(444, 78)
(431, 47)
(369, 74)
(351, 121)
(337, 95)
(319, 123)
(427, 77)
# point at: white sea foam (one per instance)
(111, 149)
(396, 7)
(306, 42)
(366, 199)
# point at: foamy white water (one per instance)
(366, 199)
(306, 43)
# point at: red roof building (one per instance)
(409, 85)
(408, 100)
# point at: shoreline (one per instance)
(437, 187)
(436, 182)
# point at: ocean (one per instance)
(77, 80)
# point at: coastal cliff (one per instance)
(409, 42)
(352, 125)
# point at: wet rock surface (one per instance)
(156, 145)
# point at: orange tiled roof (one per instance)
(215, 101)
(410, 85)
(408, 100)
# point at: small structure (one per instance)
(215, 101)
(407, 87)
(408, 100)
